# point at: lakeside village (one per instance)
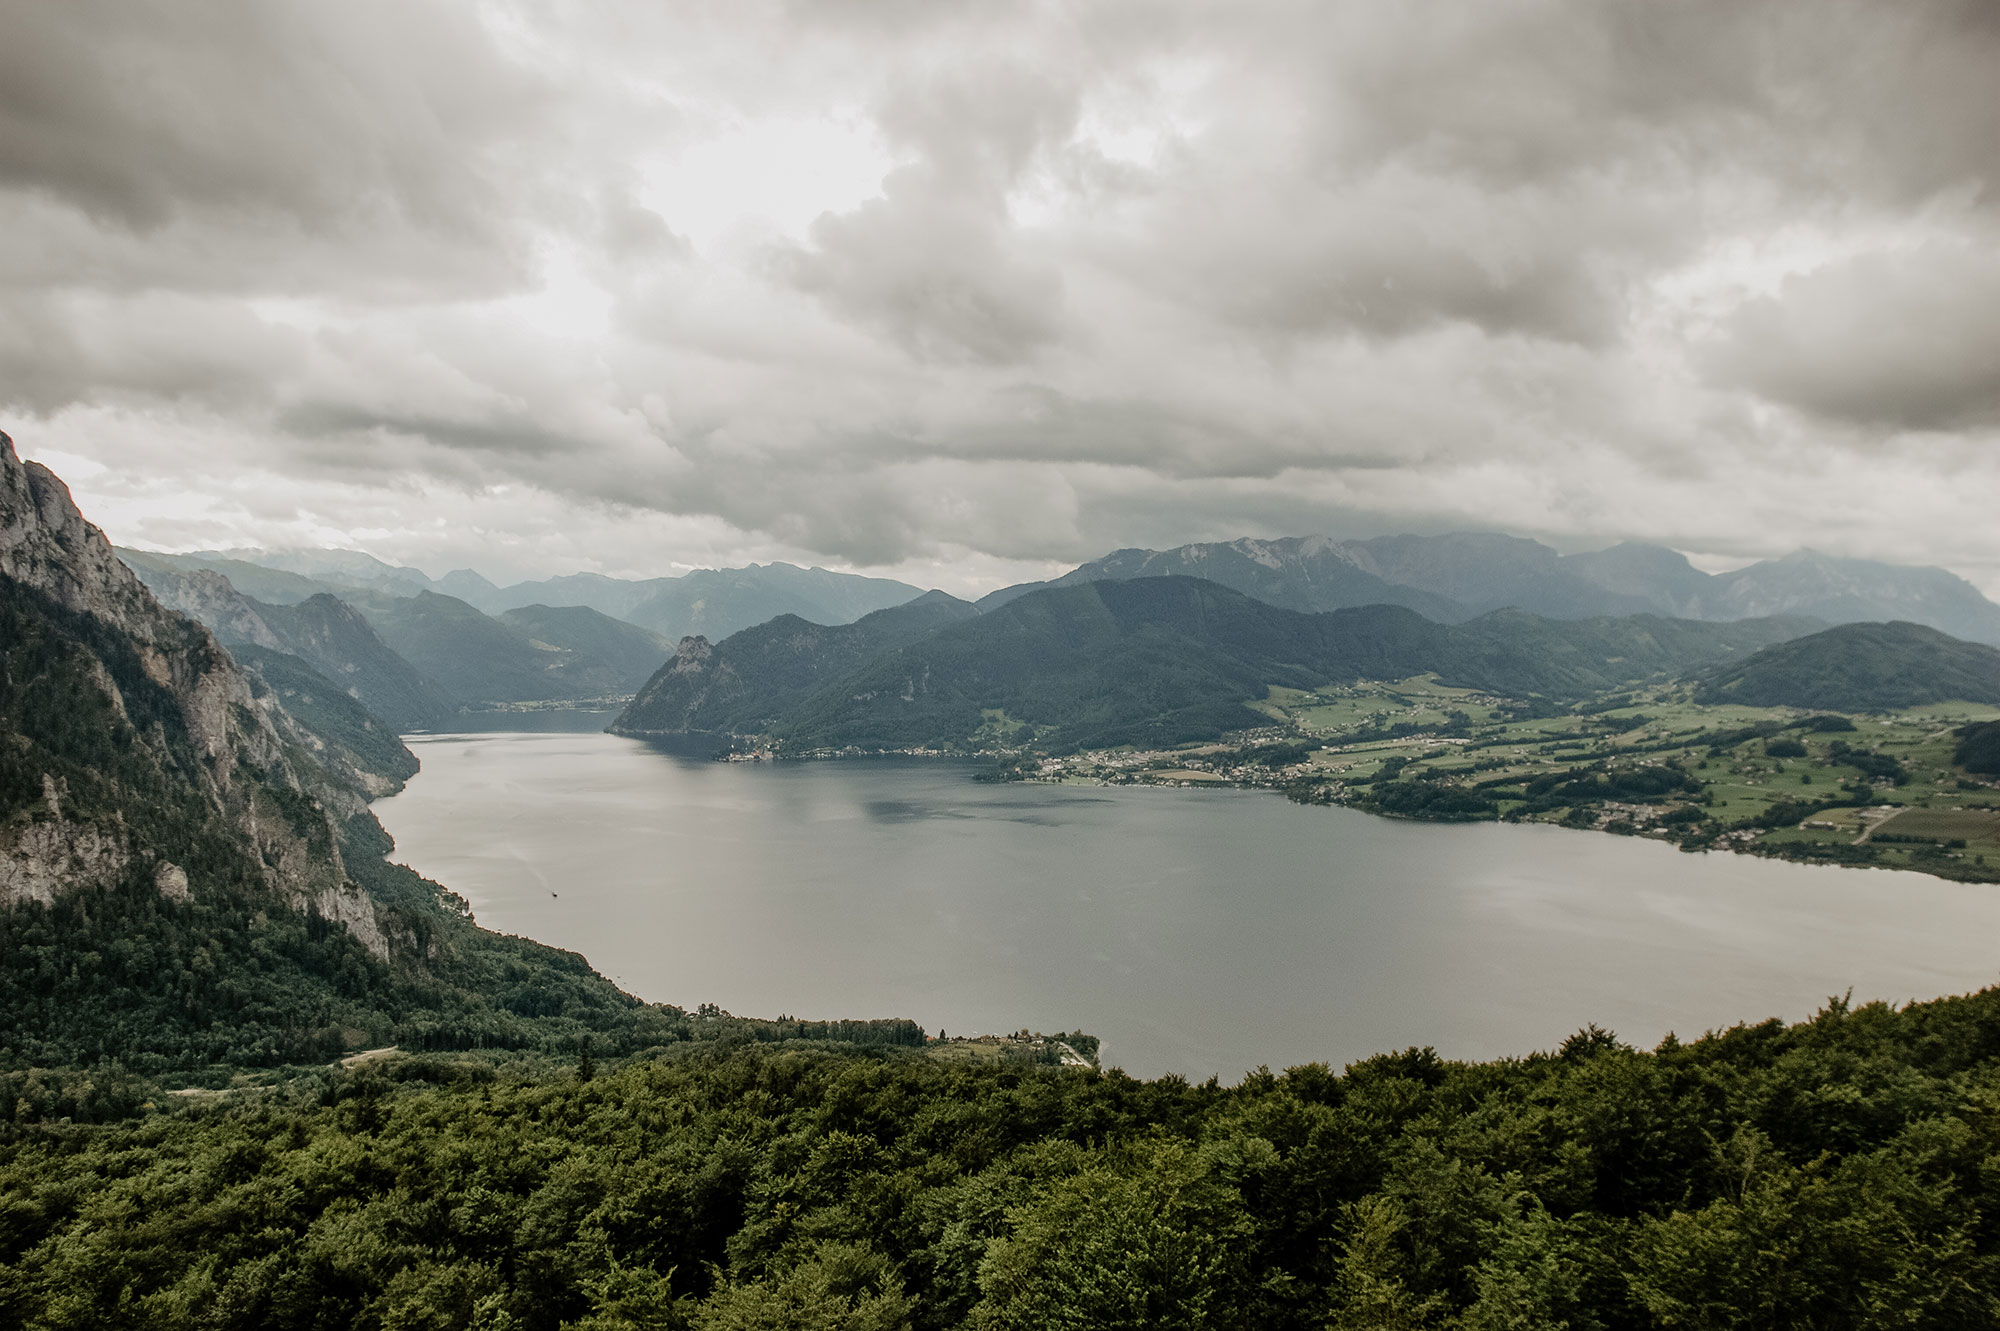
(1879, 790)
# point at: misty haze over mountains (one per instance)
(1449, 579)
(420, 651)
(1457, 577)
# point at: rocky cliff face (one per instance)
(672, 700)
(211, 599)
(250, 775)
(327, 633)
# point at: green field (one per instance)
(1651, 761)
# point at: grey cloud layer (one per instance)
(1716, 274)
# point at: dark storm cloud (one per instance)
(342, 119)
(889, 282)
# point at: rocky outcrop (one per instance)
(251, 773)
(674, 697)
(46, 544)
(740, 685)
(325, 632)
(43, 858)
(210, 599)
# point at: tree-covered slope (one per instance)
(1835, 1175)
(325, 632)
(626, 653)
(1861, 668)
(480, 660)
(185, 879)
(743, 684)
(1511, 652)
(1153, 660)
(1979, 748)
(338, 641)
(1167, 660)
(341, 734)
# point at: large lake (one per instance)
(1199, 932)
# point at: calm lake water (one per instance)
(1199, 932)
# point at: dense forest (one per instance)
(1150, 662)
(1860, 668)
(1839, 1173)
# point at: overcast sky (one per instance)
(965, 292)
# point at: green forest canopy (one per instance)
(1840, 1173)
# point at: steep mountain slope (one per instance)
(1849, 590)
(1307, 573)
(631, 653)
(471, 588)
(477, 659)
(1861, 668)
(182, 880)
(338, 641)
(1151, 660)
(1660, 578)
(533, 654)
(136, 754)
(270, 585)
(325, 633)
(744, 683)
(1487, 571)
(342, 735)
(1511, 651)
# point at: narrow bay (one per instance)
(1198, 932)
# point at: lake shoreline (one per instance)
(1197, 934)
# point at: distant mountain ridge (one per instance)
(541, 654)
(1306, 573)
(716, 602)
(323, 631)
(1154, 660)
(1448, 578)
(416, 661)
(1455, 577)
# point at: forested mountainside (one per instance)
(417, 661)
(626, 654)
(1860, 668)
(324, 632)
(1835, 1175)
(189, 873)
(1157, 661)
(753, 676)
(542, 656)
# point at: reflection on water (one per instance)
(1203, 932)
